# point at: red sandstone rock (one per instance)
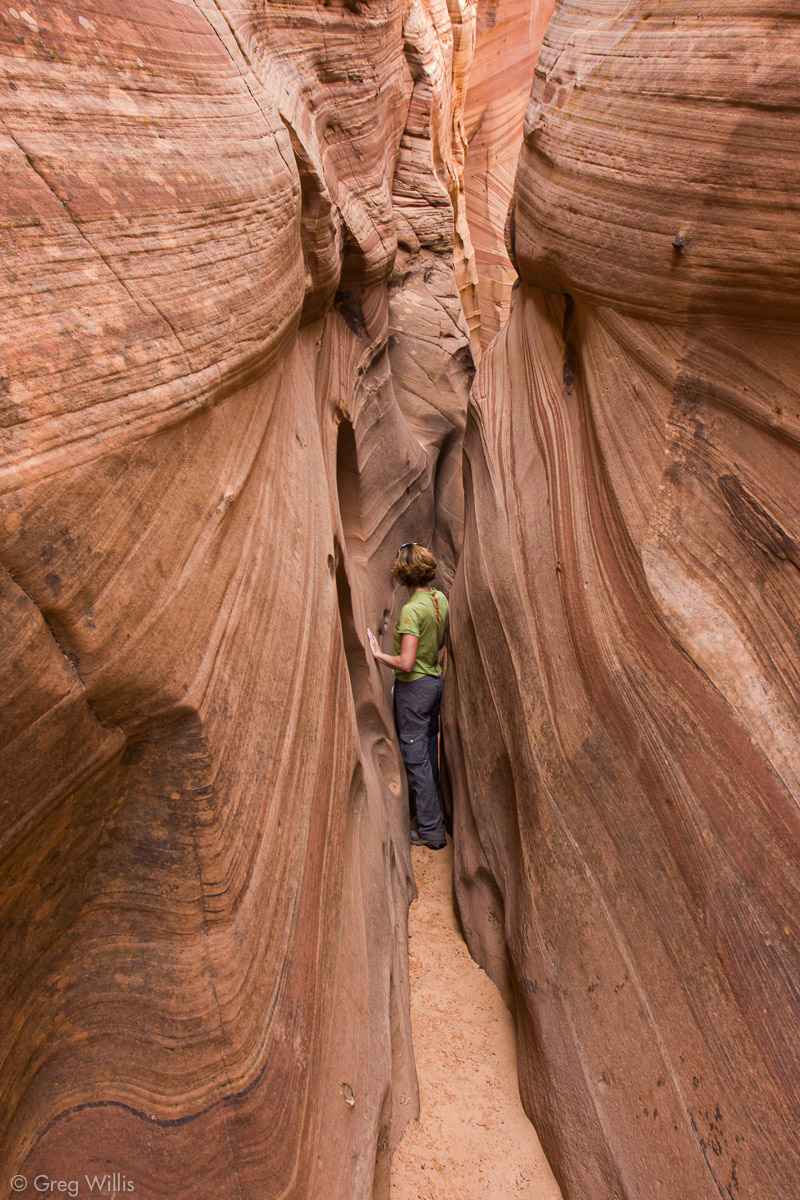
(509, 35)
(626, 610)
(210, 448)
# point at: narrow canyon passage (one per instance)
(472, 1139)
(286, 288)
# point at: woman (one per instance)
(417, 663)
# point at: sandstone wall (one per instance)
(625, 616)
(508, 38)
(226, 397)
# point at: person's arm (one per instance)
(404, 661)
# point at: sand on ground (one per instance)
(473, 1140)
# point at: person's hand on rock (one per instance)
(373, 644)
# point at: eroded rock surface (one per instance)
(213, 437)
(626, 612)
(508, 38)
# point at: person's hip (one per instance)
(417, 702)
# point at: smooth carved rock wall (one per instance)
(626, 610)
(213, 437)
(508, 38)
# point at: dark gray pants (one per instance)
(416, 715)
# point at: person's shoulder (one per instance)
(410, 614)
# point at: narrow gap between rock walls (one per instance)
(473, 1139)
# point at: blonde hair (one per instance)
(414, 565)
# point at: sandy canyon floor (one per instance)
(473, 1140)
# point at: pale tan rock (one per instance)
(626, 611)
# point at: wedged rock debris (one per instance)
(626, 610)
(225, 399)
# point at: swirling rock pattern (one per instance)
(626, 612)
(212, 439)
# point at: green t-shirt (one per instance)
(418, 616)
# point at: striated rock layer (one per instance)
(508, 38)
(225, 398)
(626, 612)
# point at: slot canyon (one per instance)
(284, 286)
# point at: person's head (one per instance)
(414, 565)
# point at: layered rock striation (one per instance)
(626, 611)
(234, 366)
(233, 378)
(508, 37)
